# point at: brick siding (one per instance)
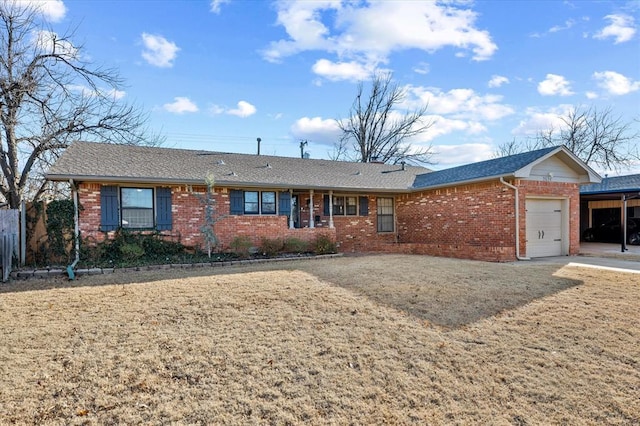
(469, 221)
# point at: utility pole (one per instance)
(259, 140)
(302, 145)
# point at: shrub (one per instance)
(131, 252)
(295, 245)
(241, 246)
(271, 246)
(323, 244)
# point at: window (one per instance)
(345, 206)
(251, 205)
(256, 202)
(268, 203)
(137, 207)
(352, 206)
(385, 215)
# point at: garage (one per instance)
(545, 229)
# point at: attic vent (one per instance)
(232, 174)
(220, 162)
(358, 173)
(268, 166)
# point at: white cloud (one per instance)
(455, 155)
(336, 71)
(49, 42)
(158, 51)
(567, 24)
(591, 95)
(422, 68)
(53, 10)
(244, 109)
(217, 4)
(352, 30)
(181, 105)
(554, 85)
(497, 81)
(89, 92)
(621, 28)
(463, 104)
(615, 83)
(316, 129)
(537, 121)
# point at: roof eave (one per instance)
(462, 182)
(219, 183)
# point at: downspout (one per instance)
(76, 231)
(515, 188)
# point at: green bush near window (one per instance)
(131, 252)
(271, 246)
(241, 246)
(323, 244)
(295, 245)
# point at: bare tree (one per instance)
(49, 96)
(375, 131)
(597, 137)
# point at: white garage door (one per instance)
(544, 228)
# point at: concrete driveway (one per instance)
(601, 255)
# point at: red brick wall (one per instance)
(469, 221)
(188, 216)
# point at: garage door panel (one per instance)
(544, 227)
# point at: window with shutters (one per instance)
(385, 215)
(268, 202)
(137, 207)
(259, 202)
(347, 205)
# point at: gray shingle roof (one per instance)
(126, 163)
(495, 168)
(617, 184)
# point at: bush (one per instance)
(323, 244)
(295, 245)
(241, 246)
(131, 252)
(271, 247)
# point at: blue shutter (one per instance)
(109, 219)
(364, 206)
(164, 219)
(326, 205)
(236, 198)
(285, 203)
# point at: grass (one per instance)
(372, 339)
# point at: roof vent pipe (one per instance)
(259, 140)
(404, 165)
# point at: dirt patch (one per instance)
(331, 341)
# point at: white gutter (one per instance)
(76, 232)
(515, 188)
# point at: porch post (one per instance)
(311, 224)
(291, 209)
(331, 209)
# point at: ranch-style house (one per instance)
(516, 207)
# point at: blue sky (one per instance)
(218, 74)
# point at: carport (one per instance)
(615, 198)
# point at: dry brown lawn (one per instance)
(355, 340)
